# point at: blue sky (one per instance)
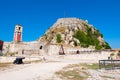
(36, 16)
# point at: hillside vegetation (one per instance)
(75, 32)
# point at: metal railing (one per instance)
(109, 64)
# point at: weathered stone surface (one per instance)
(22, 48)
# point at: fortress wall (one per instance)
(95, 57)
(92, 56)
(50, 50)
(28, 47)
(88, 54)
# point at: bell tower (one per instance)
(18, 34)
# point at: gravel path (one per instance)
(39, 71)
(35, 71)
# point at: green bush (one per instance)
(80, 36)
(58, 38)
(98, 47)
(84, 45)
(75, 43)
(107, 46)
(90, 38)
(86, 39)
(118, 54)
(112, 54)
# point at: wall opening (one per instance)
(19, 28)
(40, 47)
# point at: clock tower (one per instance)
(18, 33)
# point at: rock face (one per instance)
(74, 32)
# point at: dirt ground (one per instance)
(46, 69)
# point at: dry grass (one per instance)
(83, 66)
(33, 61)
(76, 71)
(74, 74)
(4, 66)
(109, 77)
(61, 29)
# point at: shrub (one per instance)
(107, 46)
(98, 47)
(90, 38)
(58, 38)
(80, 36)
(118, 54)
(87, 39)
(75, 43)
(112, 54)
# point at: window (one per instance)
(19, 28)
(40, 47)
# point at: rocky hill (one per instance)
(74, 32)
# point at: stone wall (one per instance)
(28, 47)
(54, 49)
(51, 49)
(93, 56)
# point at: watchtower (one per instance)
(18, 33)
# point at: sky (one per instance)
(36, 16)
